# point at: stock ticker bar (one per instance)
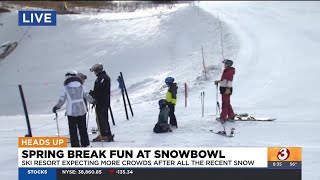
(161, 174)
(174, 174)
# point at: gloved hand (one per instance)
(228, 91)
(91, 93)
(216, 82)
(94, 102)
(55, 108)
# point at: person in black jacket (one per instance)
(101, 93)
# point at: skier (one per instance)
(101, 93)
(226, 90)
(171, 98)
(74, 93)
(162, 124)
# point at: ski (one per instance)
(111, 140)
(253, 119)
(122, 141)
(223, 133)
(248, 117)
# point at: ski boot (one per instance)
(100, 138)
(232, 132)
(108, 138)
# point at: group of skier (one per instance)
(167, 106)
(76, 96)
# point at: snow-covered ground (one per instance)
(274, 45)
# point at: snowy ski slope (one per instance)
(274, 46)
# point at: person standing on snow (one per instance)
(74, 93)
(226, 90)
(101, 93)
(171, 98)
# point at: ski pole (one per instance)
(112, 116)
(224, 127)
(99, 126)
(203, 105)
(126, 92)
(57, 123)
(201, 101)
(218, 109)
(121, 86)
(218, 105)
(88, 116)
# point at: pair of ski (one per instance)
(224, 132)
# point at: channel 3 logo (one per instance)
(283, 154)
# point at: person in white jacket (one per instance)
(74, 93)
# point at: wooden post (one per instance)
(185, 94)
(221, 40)
(204, 64)
(198, 8)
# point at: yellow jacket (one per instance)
(171, 95)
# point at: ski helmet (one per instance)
(71, 73)
(96, 68)
(162, 103)
(227, 62)
(169, 80)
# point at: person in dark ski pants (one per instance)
(171, 97)
(74, 93)
(101, 93)
(162, 125)
(226, 90)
